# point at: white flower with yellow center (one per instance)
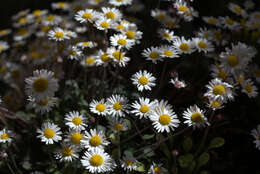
(168, 51)
(60, 5)
(97, 161)
(94, 2)
(5, 32)
(76, 138)
(112, 13)
(128, 163)
(120, 26)
(51, 20)
(6, 136)
(143, 80)
(66, 153)
(102, 58)
(153, 54)
(211, 20)
(229, 23)
(171, 22)
(74, 53)
(181, 7)
(256, 134)
(95, 139)
(88, 61)
(133, 34)
(161, 104)
(203, 45)
(49, 133)
(99, 107)
(71, 34)
(117, 105)
(44, 105)
(142, 107)
(184, 46)
(118, 124)
(195, 117)
(121, 41)
(219, 71)
(87, 15)
(57, 34)
(216, 89)
(205, 33)
(160, 15)
(3, 46)
(75, 120)
(41, 85)
(118, 56)
(249, 88)
(120, 2)
(103, 23)
(215, 103)
(167, 35)
(87, 44)
(157, 169)
(237, 9)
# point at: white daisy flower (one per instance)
(104, 23)
(203, 45)
(171, 22)
(168, 51)
(95, 139)
(5, 32)
(102, 58)
(57, 34)
(164, 120)
(99, 107)
(215, 104)
(49, 133)
(229, 23)
(256, 134)
(144, 80)
(120, 26)
(157, 169)
(218, 71)
(88, 61)
(51, 20)
(71, 34)
(41, 85)
(134, 35)
(195, 117)
(87, 15)
(97, 161)
(120, 2)
(66, 153)
(211, 20)
(121, 41)
(75, 120)
(95, 2)
(161, 104)
(118, 56)
(117, 105)
(142, 107)
(44, 105)
(76, 138)
(112, 13)
(153, 54)
(204, 33)
(219, 90)
(74, 53)
(129, 163)
(118, 124)
(160, 15)
(181, 7)
(60, 5)
(3, 46)
(237, 9)
(167, 35)
(6, 136)
(184, 46)
(87, 44)
(249, 88)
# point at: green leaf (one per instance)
(147, 136)
(140, 167)
(203, 159)
(187, 144)
(149, 152)
(216, 143)
(185, 160)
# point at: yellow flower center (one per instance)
(182, 8)
(154, 55)
(144, 109)
(222, 74)
(49, 133)
(160, 16)
(22, 31)
(219, 90)
(105, 57)
(229, 21)
(4, 136)
(86, 43)
(100, 107)
(44, 102)
(164, 119)
(87, 16)
(157, 170)
(117, 106)
(77, 121)
(96, 160)
(22, 20)
(248, 88)
(73, 53)
(170, 23)
(215, 104)
(130, 34)
(218, 35)
(232, 60)
(95, 141)
(167, 35)
(212, 20)
(90, 60)
(110, 15)
(238, 10)
(76, 138)
(184, 47)
(120, 27)
(40, 84)
(118, 126)
(66, 151)
(37, 12)
(61, 4)
(3, 32)
(168, 53)
(196, 117)
(59, 34)
(118, 55)
(202, 44)
(121, 42)
(50, 18)
(104, 24)
(129, 162)
(143, 80)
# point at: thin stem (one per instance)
(119, 150)
(9, 167)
